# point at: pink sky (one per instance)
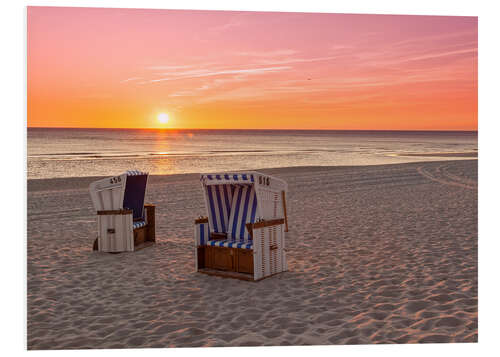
(91, 67)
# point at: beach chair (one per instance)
(243, 233)
(124, 222)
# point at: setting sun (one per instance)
(163, 118)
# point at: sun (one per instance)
(163, 118)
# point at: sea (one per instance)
(63, 152)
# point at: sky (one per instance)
(137, 68)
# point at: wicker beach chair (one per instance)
(243, 234)
(124, 222)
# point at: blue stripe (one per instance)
(228, 204)
(236, 212)
(221, 211)
(244, 177)
(251, 178)
(212, 208)
(217, 177)
(202, 234)
(235, 177)
(229, 244)
(209, 177)
(244, 217)
(226, 176)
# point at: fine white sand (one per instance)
(377, 254)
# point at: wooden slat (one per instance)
(269, 223)
(150, 217)
(227, 274)
(283, 194)
(218, 236)
(250, 229)
(201, 220)
(244, 261)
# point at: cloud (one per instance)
(441, 54)
(299, 60)
(183, 94)
(435, 38)
(207, 73)
(339, 73)
(130, 79)
(169, 67)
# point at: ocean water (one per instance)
(105, 152)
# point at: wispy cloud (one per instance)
(441, 54)
(183, 94)
(131, 79)
(298, 60)
(355, 68)
(207, 73)
(169, 67)
(442, 38)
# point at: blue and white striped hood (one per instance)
(227, 178)
(244, 178)
(136, 173)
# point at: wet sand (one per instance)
(376, 254)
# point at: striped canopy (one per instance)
(230, 207)
(231, 203)
(220, 198)
(244, 211)
(215, 179)
(136, 173)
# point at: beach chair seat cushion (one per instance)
(139, 224)
(230, 244)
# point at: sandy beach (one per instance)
(376, 254)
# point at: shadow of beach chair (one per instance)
(124, 222)
(243, 234)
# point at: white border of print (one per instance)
(14, 162)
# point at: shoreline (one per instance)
(72, 183)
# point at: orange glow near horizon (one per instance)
(123, 68)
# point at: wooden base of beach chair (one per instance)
(143, 236)
(227, 274)
(226, 260)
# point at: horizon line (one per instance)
(274, 129)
